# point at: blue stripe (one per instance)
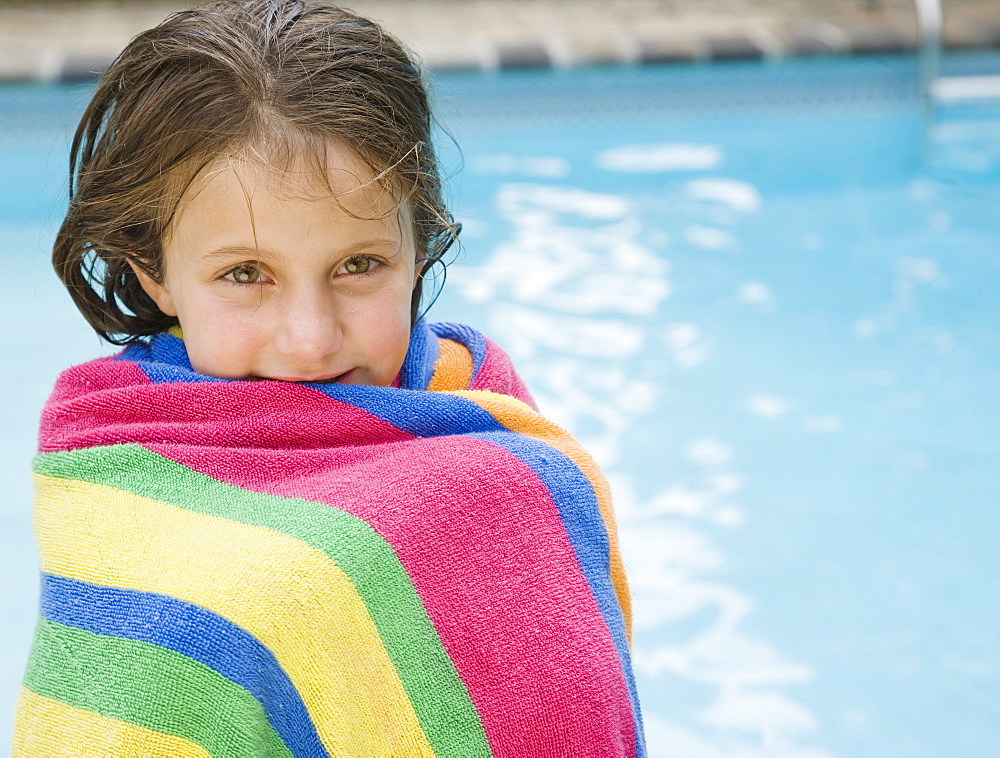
(466, 335)
(421, 355)
(164, 360)
(192, 631)
(422, 414)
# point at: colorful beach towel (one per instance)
(264, 568)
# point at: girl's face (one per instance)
(271, 278)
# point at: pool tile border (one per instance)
(544, 34)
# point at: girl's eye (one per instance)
(244, 274)
(359, 264)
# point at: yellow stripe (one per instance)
(46, 727)
(290, 596)
(518, 417)
(453, 370)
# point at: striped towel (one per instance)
(264, 568)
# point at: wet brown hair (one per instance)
(220, 80)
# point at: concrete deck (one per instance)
(52, 41)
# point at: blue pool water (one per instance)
(766, 297)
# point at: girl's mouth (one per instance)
(336, 379)
(331, 380)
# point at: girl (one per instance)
(291, 518)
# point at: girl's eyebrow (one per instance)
(231, 251)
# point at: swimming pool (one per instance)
(765, 296)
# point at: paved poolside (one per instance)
(68, 41)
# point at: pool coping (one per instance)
(68, 42)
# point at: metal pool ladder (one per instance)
(938, 88)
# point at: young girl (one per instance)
(292, 518)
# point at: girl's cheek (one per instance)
(232, 328)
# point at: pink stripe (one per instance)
(116, 403)
(84, 391)
(95, 376)
(530, 645)
(497, 374)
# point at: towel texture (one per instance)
(263, 568)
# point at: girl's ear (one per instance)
(158, 292)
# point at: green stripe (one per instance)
(150, 686)
(439, 697)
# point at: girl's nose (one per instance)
(308, 328)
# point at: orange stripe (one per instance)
(453, 370)
(518, 417)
